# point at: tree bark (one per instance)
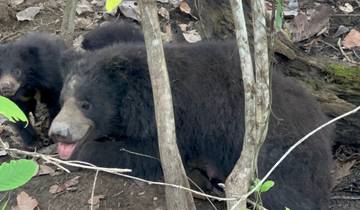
(172, 166)
(243, 171)
(68, 22)
(256, 97)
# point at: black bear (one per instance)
(111, 33)
(30, 66)
(103, 36)
(107, 114)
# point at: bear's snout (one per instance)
(70, 125)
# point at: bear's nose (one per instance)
(60, 132)
(7, 89)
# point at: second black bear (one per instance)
(111, 33)
(108, 95)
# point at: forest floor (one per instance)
(112, 192)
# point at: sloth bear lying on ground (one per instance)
(107, 111)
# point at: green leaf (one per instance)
(279, 14)
(16, 173)
(11, 111)
(286, 208)
(266, 186)
(110, 5)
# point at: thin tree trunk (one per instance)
(172, 166)
(68, 22)
(256, 97)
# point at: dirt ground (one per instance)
(122, 193)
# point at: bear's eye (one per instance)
(17, 72)
(85, 105)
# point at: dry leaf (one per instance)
(68, 186)
(28, 13)
(45, 170)
(25, 202)
(97, 199)
(343, 170)
(192, 36)
(291, 8)
(303, 27)
(15, 3)
(352, 39)
(347, 8)
(130, 9)
(184, 7)
(341, 30)
(163, 12)
(183, 27)
(3, 153)
(83, 23)
(167, 36)
(84, 7)
(175, 3)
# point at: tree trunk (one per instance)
(68, 22)
(171, 163)
(257, 99)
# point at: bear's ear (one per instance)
(30, 53)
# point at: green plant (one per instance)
(279, 14)
(11, 111)
(110, 5)
(17, 172)
(266, 186)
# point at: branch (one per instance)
(256, 97)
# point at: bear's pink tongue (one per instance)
(65, 150)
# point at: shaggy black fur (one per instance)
(103, 36)
(111, 33)
(33, 61)
(208, 101)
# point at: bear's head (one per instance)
(17, 63)
(106, 94)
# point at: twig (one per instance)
(9, 36)
(355, 53)
(138, 154)
(78, 164)
(255, 204)
(176, 186)
(291, 149)
(344, 54)
(339, 197)
(328, 44)
(345, 15)
(116, 171)
(93, 190)
(197, 186)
